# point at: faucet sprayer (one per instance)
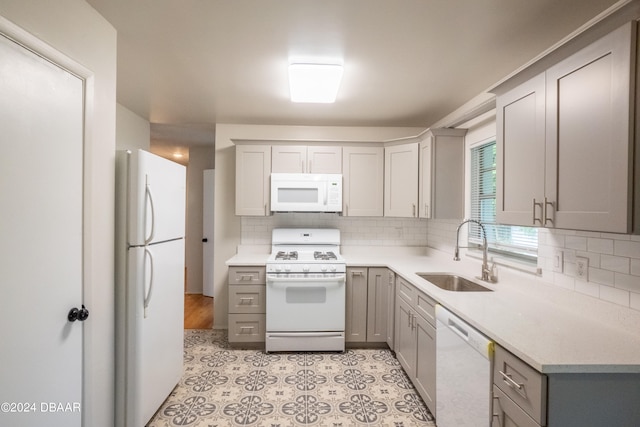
(485, 265)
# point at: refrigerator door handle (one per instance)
(147, 297)
(149, 197)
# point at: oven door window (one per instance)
(306, 295)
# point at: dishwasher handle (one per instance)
(472, 337)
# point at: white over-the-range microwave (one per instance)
(306, 192)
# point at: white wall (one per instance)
(75, 29)
(200, 158)
(227, 224)
(132, 131)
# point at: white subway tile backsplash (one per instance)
(576, 242)
(601, 246)
(615, 263)
(627, 282)
(354, 230)
(627, 248)
(603, 277)
(617, 296)
(635, 300)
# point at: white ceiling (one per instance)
(194, 63)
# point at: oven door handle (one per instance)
(272, 279)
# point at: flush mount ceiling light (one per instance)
(317, 83)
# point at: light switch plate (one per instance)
(582, 268)
(558, 261)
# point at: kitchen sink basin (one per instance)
(451, 282)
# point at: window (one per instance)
(521, 242)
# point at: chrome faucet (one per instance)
(485, 265)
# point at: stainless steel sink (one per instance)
(451, 282)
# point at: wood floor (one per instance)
(198, 311)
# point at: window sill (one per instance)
(529, 267)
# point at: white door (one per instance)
(41, 187)
(207, 231)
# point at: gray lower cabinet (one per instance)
(367, 299)
(519, 392)
(415, 339)
(247, 316)
(523, 397)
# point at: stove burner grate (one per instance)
(286, 256)
(324, 256)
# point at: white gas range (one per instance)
(305, 291)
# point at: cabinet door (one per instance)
(324, 159)
(405, 337)
(424, 200)
(356, 309)
(391, 308)
(253, 167)
(363, 181)
(425, 375)
(588, 136)
(401, 181)
(520, 144)
(377, 296)
(288, 158)
(507, 414)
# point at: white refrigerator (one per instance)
(150, 230)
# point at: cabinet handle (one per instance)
(546, 218)
(414, 210)
(309, 166)
(302, 165)
(427, 214)
(534, 211)
(246, 277)
(509, 381)
(245, 328)
(242, 300)
(357, 273)
(265, 210)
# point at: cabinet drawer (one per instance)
(521, 383)
(426, 307)
(246, 327)
(246, 299)
(247, 275)
(405, 290)
(507, 414)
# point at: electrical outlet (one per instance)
(582, 268)
(558, 261)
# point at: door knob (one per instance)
(81, 314)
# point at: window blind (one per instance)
(513, 240)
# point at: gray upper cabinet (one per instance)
(253, 168)
(363, 181)
(306, 159)
(441, 174)
(565, 140)
(401, 180)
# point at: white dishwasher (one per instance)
(463, 373)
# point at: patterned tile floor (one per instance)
(227, 387)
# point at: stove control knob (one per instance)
(323, 268)
(305, 268)
(287, 267)
(332, 268)
(278, 268)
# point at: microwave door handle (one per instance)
(326, 193)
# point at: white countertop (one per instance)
(553, 329)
